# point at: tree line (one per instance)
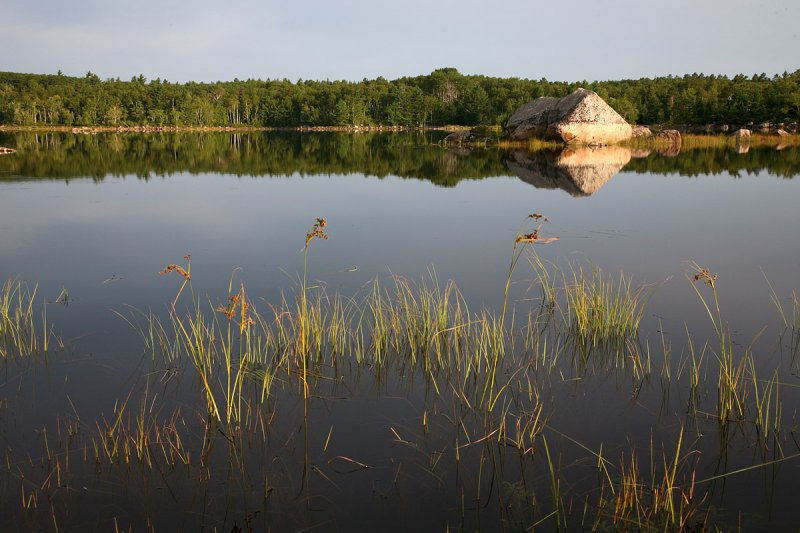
(441, 98)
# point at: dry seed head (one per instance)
(175, 268)
(533, 237)
(246, 320)
(317, 231)
(705, 275)
(229, 310)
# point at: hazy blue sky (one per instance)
(353, 39)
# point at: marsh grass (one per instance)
(691, 141)
(757, 140)
(484, 375)
(233, 357)
(140, 436)
(596, 315)
(791, 319)
(663, 497)
(742, 396)
(767, 403)
(532, 144)
(601, 310)
(23, 325)
(795, 344)
(424, 327)
(696, 369)
(661, 494)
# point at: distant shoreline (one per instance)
(201, 129)
(692, 136)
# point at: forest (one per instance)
(444, 97)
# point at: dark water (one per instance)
(101, 215)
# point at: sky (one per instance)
(355, 39)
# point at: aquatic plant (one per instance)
(213, 345)
(663, 498)
(741, 395)
(521, 242)
(317, 231)
(484, 387)
(22, 332)
(601, 311)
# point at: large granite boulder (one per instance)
(579, 171)
(582, 117)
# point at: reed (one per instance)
(757, 140)
(600, 309)
(317, 231)
(424, 326)
(693, 141)
(555, 489)
(768, 407)
(484, 375)
(229, 347)
(741, 395)
(731, 382)
(662, 498)
(142, 437)
(532, 144)
(695, 368)
(795, 343)
(521, 243)
(545, 276)
(23, 328)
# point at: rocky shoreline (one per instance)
(190, 129)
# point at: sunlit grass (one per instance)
(600, 309)
(23, 324)
(424, 326)
(532, 144)
(488, 379)
(693, 141)
(663, 497)
(742, 396)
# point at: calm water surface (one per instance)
(101, 215)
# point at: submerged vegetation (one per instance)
(236, 396)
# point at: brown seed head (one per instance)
(175, 268)
(317, 231)
(533, 237)
(705, 275)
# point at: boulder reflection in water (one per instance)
(578, 171)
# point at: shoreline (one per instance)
(203, 129)
(689, 139)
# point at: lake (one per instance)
(363, 391)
